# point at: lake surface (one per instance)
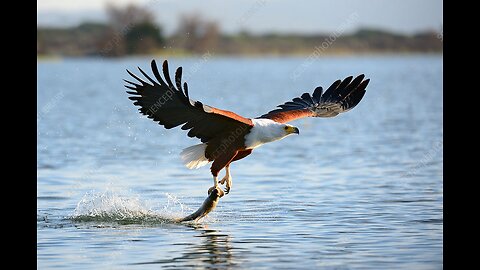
(363, 190)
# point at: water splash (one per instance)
(115, 207)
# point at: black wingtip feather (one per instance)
(178, 78)
(356, 98)
(306, 97)
(166, 73)
(146, 76)
(127, 81)
(328, 93)
(317, 94)
(301, 101)
(156, 73)
(185, 87)
(137, 78)
(346, 93)
(363, 85)
(132, 83)
(345, 82)
(358, 79)
(351, 87)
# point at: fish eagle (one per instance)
(226, 136)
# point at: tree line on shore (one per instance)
(132, 31)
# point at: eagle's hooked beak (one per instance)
(292, 129)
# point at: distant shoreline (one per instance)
(102, 40)
(44, 57)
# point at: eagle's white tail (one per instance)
(194, 156)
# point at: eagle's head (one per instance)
(289, 129)
(266, 130)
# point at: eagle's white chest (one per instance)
(263, 131)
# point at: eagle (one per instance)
(226, 136)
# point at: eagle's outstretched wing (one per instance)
(340, 97)
(170, 106)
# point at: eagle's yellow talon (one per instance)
(227, 180)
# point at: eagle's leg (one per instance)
(220, 162)
(227, 179)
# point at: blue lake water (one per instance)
(363, 190)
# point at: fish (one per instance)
(208, 205)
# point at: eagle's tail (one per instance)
(194, 156)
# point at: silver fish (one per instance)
(208, 205)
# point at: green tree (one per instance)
(143, 38)
(196, 34)
(132, 29)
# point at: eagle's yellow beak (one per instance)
(291, 129)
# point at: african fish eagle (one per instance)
(226, 136)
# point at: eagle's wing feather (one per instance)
(170, 106)
(340, 97)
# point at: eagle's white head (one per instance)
(266, 130)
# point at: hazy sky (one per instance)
(260, 16)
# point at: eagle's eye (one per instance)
(286, 128)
